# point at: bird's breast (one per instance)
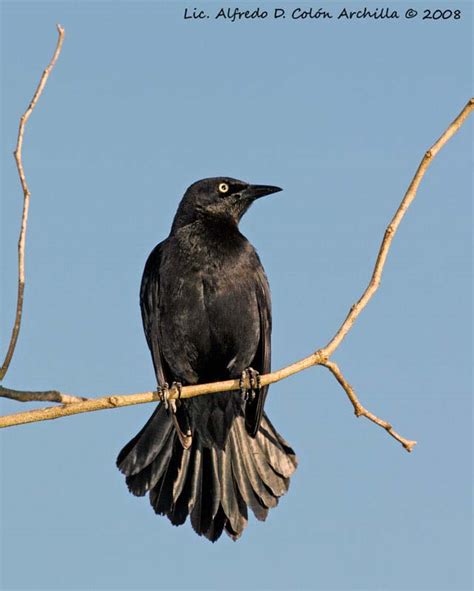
(209, 306)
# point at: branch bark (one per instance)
(71, 406)
(26, 204)
(44, 396)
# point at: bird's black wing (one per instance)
(262, 360)
(150, 308)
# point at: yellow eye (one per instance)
(223, 188)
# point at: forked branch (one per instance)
(44, 396)
(71, 405)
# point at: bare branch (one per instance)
(108, 402)
(114, 401)
(360, 411)
(320, 357)
(392, 228)
(26, 204)
(45, 396)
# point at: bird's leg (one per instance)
(186, 439)
(254, 381)
(171, 405)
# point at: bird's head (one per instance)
(221, 198)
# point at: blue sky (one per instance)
(143, 103)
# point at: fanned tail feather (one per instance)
(212, 485)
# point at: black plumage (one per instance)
(206, 313)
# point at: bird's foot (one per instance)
(179, 387)
(164, 394)
(253, 378)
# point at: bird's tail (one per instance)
(214, 486)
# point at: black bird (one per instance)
(206, 313)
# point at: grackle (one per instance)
(206, 313)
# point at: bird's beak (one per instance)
(256, 191)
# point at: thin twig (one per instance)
(392, 228)
(44, 396)
(26, 204)
(361, 411)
